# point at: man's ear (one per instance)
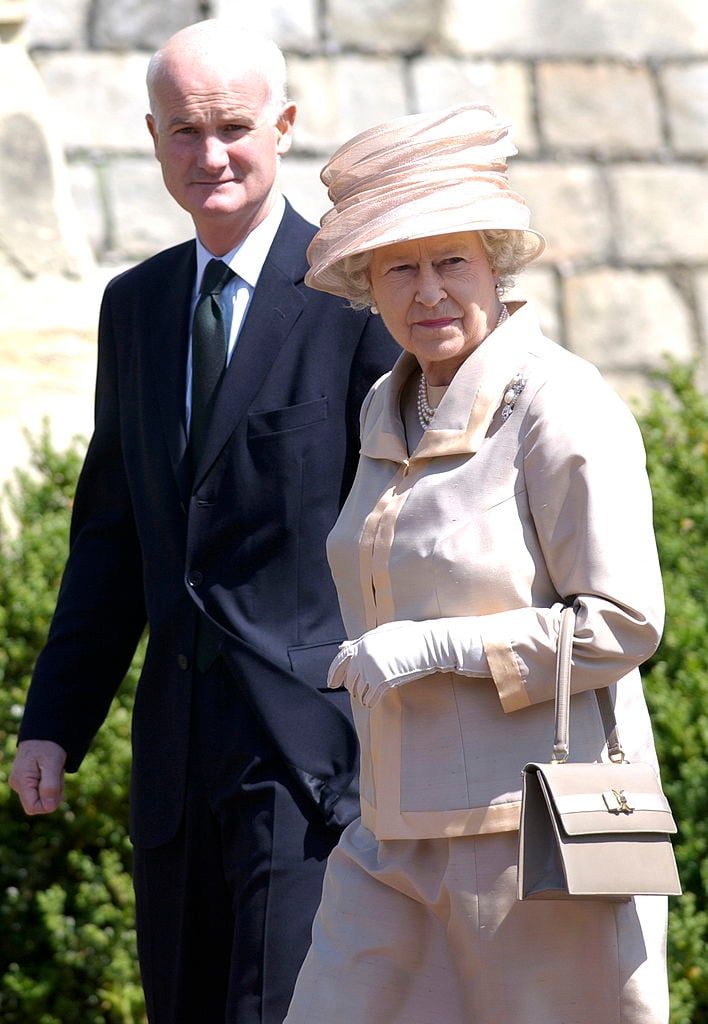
(284, 125)
(152, 128)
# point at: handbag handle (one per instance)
(564, 658)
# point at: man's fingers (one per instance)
(38, 775)
(51, 790)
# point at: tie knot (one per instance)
(216, 275)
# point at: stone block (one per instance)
(291, 23)
(61, 24)
(685, 89)
(538, 285)
(339, 97)
(661, 214)
(701, 291)
(439, 82)
(13, 15)
(50, 303)
(100, 99)
(547, 28)
(88, 195)
(46, 374)
(604, 108)
(569, 205)
(48, 359)
(145, 218)
(140, 24)
(39, 230)
(300, 182)
(31, 232)
(382, 25)
(627, 320)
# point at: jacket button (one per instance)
(183, 662)
(195, 578)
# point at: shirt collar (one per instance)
(247, 258)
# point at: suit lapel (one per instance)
(167, 326)
(276, 306)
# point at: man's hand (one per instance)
(38, 775)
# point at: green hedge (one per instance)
(675, 429)
(67, 940)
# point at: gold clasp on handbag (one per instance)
(616, 801)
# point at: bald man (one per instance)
(213, 536)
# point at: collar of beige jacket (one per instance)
(476, 393)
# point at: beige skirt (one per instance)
(430, 932)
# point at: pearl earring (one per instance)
(500, 290)
(374, 309)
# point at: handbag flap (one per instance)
(591, 799)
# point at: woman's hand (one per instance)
(396, 652)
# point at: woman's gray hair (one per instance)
(508, 253)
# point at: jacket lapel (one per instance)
(167, 334)
(275, 307)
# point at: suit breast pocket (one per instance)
(292, 417)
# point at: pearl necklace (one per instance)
(425, 409)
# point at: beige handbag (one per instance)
(592, 831)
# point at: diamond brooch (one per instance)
(515, 388)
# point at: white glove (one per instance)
(397, 652)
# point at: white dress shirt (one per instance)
(246, 260)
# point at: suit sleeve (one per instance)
(589, 496)
(100, 612)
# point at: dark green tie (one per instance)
(208, 362)
(208, 352)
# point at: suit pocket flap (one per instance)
(292, 417)
(311, 662)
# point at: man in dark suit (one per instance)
(205, 519)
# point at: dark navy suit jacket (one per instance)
(243, 543)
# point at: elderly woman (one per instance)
(500, 479)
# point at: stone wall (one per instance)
(608, 98)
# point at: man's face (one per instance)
(218, 142)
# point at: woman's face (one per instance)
(437, 297)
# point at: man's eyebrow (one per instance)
(180, 120)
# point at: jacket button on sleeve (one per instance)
(195, 578)
(183, 662)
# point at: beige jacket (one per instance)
(502, 519)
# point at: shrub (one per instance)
(675, 430)
(67, 938)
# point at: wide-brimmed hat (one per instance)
(416, 177)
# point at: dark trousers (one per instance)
(224, 910)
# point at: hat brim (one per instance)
(329, 249)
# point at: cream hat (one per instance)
(415, 177)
